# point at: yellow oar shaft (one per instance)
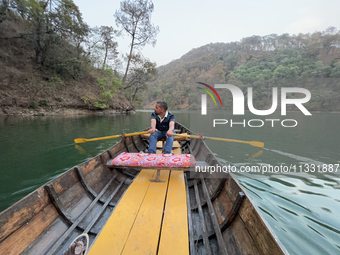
(253, 143)
(226, 140)
(83, 140)
(102, 138)
(188, 136)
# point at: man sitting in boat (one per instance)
(162, 127)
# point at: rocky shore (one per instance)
(56, 111)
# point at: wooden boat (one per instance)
(82, 199)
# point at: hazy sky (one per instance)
(185, 25)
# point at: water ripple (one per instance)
(323, 225)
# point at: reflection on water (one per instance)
(302, 208)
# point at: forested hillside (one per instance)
(311, 61)
(52, 61)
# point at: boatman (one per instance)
(162, 127)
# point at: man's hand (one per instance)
(152, 130)
(171, 129)
(169, 133)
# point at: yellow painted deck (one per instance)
(174, 234)
(151, 218)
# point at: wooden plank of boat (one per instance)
(35, 224)
(144, 235)
(112, 238)
(175, 217)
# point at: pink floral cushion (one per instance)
(153, 160)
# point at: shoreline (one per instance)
(16, 111)
(57, 111)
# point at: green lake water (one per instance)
(302, 208)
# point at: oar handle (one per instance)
(137, 133)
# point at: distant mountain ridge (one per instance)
(260, 62)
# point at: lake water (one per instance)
(303, 208)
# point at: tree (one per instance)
(93, 48)
(50, 27)
(134, 18)
(336, 70)
(108, 85)
(143, 71)
(40, 30)
(109, 45)
(67, 21)
(330, 39)
(286, 72)
(15, 6)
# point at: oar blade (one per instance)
(257, 144)
(80, 140)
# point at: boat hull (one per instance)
(82, 199)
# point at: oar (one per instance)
(83, 140)
(253, 143)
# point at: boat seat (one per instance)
(161, 143)
(184, 162)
